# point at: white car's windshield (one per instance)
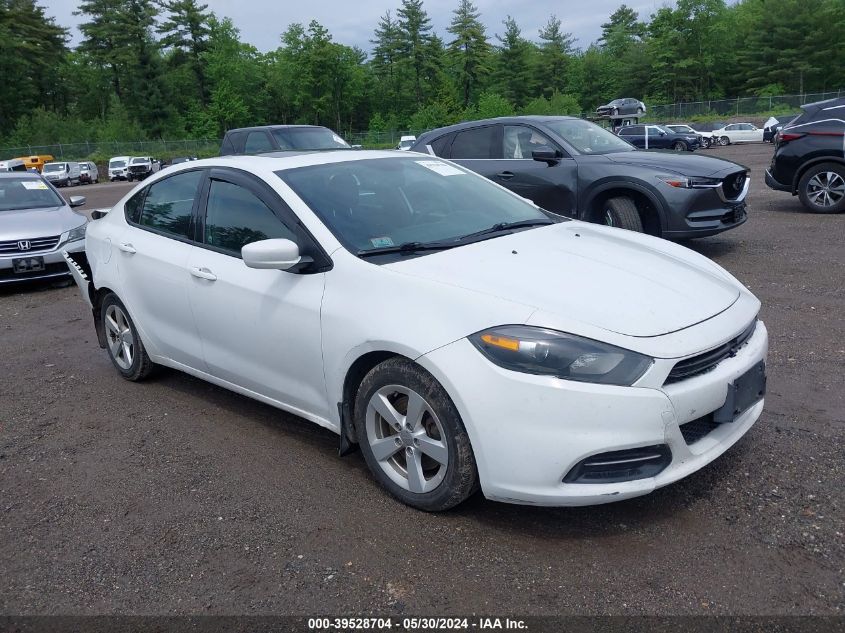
(50, 167)
(26, 193)
(115, 164)
(138, 161)
(588, 138)
(388, 203)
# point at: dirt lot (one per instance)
(174, 496)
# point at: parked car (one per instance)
(119, 168)
(705, 139)
(141, 167)
(275, 138)
(658, 137)
(774, 124)
(584, 171)
(621, 106)
(738, 133)
(36, 225)
(88, 172)
(37, 162)
(61, 174)
(182, 159)
(406, 142)
(809, 160)
(595, 385)
(13, 164)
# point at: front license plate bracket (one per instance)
(27, 264)
(742, 393)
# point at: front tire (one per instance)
(822, 188)
(412, 437)
(622, 213)
(123, 342)
(679, 146)
(705, 143)
(724, 140)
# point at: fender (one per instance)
(799, 173)
(607, 184)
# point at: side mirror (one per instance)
(77, 201)
(663, 134)
(546, 154)
(278, 254)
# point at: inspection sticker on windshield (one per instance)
(381, 242)
(34, 184)
(441, 168)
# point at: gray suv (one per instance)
(575, 168)
(36, 225)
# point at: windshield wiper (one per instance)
(504, 227)
(407, 247)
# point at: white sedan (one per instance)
(460, 335)
(738, 133)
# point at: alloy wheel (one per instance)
(407, 439)
(119, 336)
(826, 189)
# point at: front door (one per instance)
(260, 329)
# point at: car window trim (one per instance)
(172, 236)
(277, 205)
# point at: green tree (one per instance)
(470, 51)
(414, 41)
(186, 31)
(387, 50)
(555, 52)
(512, 73)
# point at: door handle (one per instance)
(126, 247)
(203, 273)
(505, 175)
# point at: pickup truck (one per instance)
(142, 166)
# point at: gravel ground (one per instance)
(176, 497)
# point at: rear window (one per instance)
(305, 138)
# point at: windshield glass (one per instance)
(117, 163)
(588, 138)
(386, 202)
(405, 143)
(136, 161)
(26, 193)
(299, 138)
(53, 167)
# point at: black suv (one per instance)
(274, 138)
(809, 159)
(658, 137)
(573, 167)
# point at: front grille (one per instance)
(139, 169)
(703, 363)
(732, 185)
(36, 245)
(698, 429)
(615, 466)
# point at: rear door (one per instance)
(153, 259)
(479, 149)
(260, 329)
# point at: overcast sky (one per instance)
(351, 22)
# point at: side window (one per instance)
(732, 128)
(132, 208)
(625, 131)
(440, 146)
(235, 217)
(653, 131)
(169, 202)
(475, 143)
(519, 141)
(258, 142)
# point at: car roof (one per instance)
(273, 127)
(529, 118)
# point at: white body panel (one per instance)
(289, 339)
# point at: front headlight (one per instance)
(691, 182)
(78, 233)
(534, 350)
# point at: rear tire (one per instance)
(705, 143)
(822, 188)
(412, 437)
(126, 350)
(621, 212)
(724, 140)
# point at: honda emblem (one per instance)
(24, 245)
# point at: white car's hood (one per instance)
(608, 278)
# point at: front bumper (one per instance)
(58, 182)
(702, 212)
(55, 266)
(528, 432)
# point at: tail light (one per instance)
(789, 136)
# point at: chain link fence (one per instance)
(745, 106)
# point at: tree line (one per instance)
(149, 69)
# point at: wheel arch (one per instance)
(96, 308)
(649, 206)
(799, 173)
